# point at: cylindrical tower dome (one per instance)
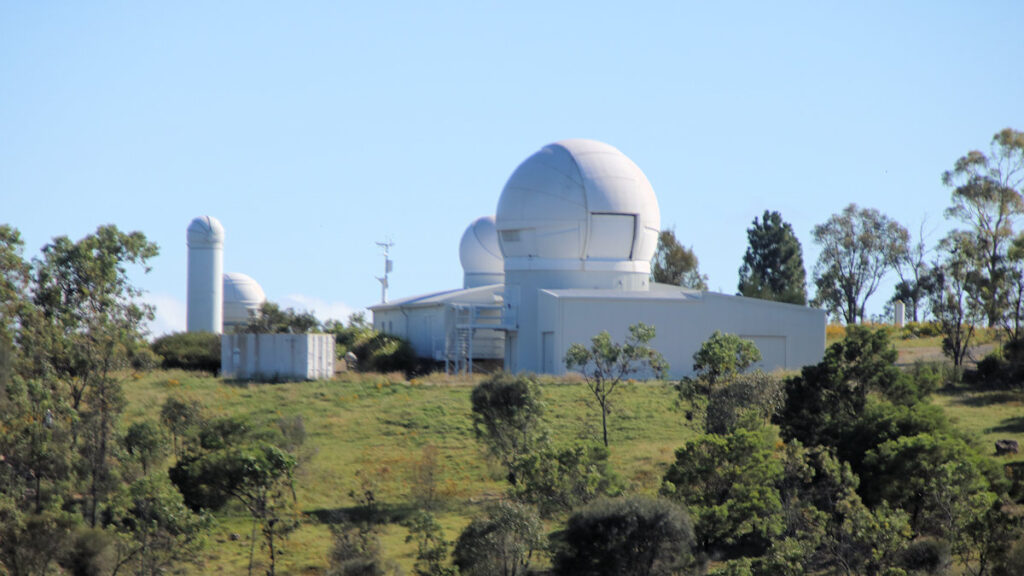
(480, 254)
(243, 296)
(205, 271)
(577, 214)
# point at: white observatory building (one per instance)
(577, 226)
(216, 301)
(456, 327)
(205, 308)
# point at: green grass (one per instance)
(380, 424)
(987, 415)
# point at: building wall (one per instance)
(390, 322)
(524, 309)
(426, 329)
(277, 356)
(788, 336)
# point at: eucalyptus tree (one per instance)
(92, 322)
(954, 297)
(856, 245)
(676, 264)
(987, 199)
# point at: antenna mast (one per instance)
(388, 265)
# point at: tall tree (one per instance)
(1013, 318)
(14, 279)
(675, 264)
(987, 198)
(855, 248)
(773, 266)
(954, 299)
(93, 324)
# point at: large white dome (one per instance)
(577, 200)
(242, 295)
(205, 231)
(480, 253)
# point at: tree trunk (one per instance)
(252, 545)
(604, 422)
(270, 538)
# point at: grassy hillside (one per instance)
(377, 427)
(370, 431)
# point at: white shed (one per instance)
(277, 356)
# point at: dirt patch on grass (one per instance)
(908, 356)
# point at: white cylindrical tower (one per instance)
(577, 214)
(243, 297)
(205, 272)
(480, 254)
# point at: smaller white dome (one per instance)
(480, 254)
(205, 231)
(242, 295)
(479, 250)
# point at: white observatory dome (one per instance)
(577, 200)
(480, 254)
(205, 231)
(242, 295)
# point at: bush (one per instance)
(189, 351)
(1013, 563)
(921, 330)
(926, 556)
(560, 480)
(384, 353)
(992, 369)
(508, 417)
(627, 536)
(501, 543)
(357, 552)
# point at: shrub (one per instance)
(189, 351)
(627, 536)
(747, 400)
(920, 330)
(357, 552)
(926, 556)
(992, 369)
(560, 480)
(507, 417)
(384, 353)
(501, 543)
(1013, 563)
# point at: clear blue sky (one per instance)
(313, 129)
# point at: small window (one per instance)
(510, 235)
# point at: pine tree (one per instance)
(773, 266)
